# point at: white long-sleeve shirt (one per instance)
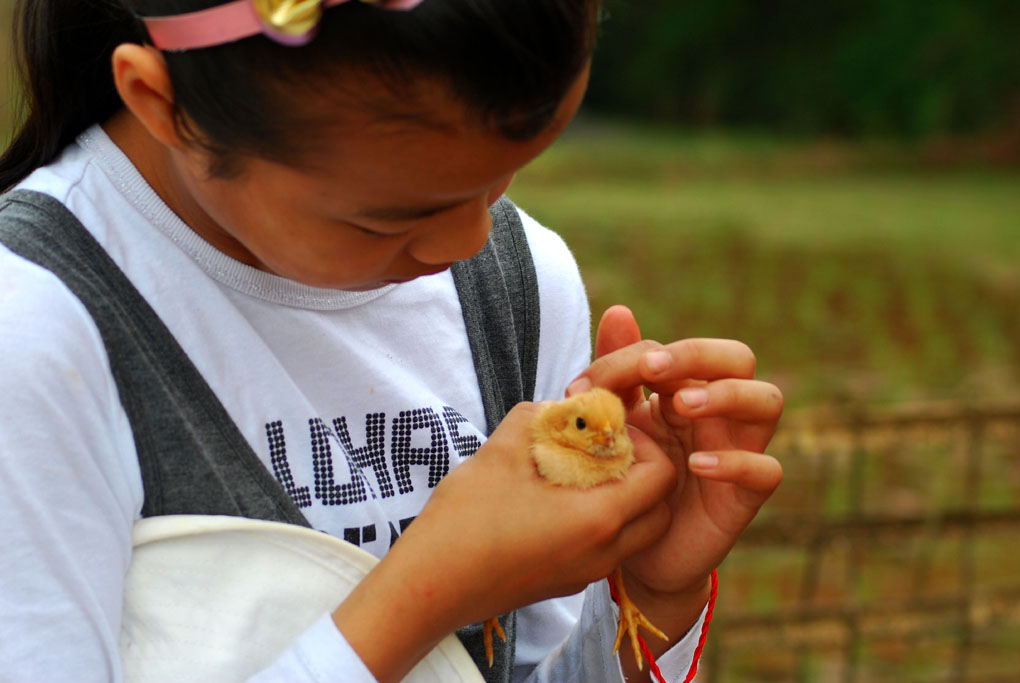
(387, 371)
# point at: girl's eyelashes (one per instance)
(404, 214)
(376, 229)
(369, 232)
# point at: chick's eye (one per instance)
(581, 424)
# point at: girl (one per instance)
(294, 197)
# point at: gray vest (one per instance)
(193, 458)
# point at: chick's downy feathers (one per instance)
(582, 441)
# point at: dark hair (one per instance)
(510, 62)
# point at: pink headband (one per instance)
(290, 22)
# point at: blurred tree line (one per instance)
(905, 68)
(6, 72)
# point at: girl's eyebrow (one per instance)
(404, 213)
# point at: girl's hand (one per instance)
(520, 539)
(495, 536)
(713, 420)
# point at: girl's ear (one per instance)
(143, 82)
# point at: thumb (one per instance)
(617, 328)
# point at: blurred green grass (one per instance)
(871, 271)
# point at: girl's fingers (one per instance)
(666, 368)
(617, 371)
(704, 359)
(755, 475)
(739, 399)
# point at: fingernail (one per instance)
(658, 361)
(578, 386)
(694, 397)
(703, 461)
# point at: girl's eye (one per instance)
(581, 424)
(377, 234)
(372, 234)
(369, 233)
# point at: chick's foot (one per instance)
(630, 618)
(487, 628)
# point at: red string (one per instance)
(652, 666)
(612, 590)
(704, 628)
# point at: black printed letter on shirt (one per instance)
(373, 453)
(281, 468)
(465, 445)
(436, 455)
(326, 488)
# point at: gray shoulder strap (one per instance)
(498, 290)
(193, 458)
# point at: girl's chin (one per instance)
(366, 287)
(435, 270)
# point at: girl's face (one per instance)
(381, 202)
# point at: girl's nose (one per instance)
(457, 235)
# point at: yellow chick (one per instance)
(581, 442)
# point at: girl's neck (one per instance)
(159, 166)
(147, 155)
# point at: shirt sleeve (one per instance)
(69, 484)
(320, 655)
(586, 654)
